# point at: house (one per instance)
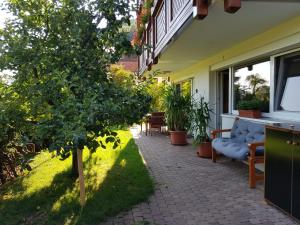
(227, 50)
(129, 63)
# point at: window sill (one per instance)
(265, 120)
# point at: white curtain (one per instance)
(288, 66)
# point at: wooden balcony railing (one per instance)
(167, 17)
(176, 7)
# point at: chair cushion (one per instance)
(231, 148)
(239, 131)
(243, 133)
(256, 133)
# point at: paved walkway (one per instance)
(194, 191)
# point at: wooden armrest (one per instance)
(252, 147)
(218, 131)
(256, 144)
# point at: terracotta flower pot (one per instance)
(250, 113)
(205, 150)
(178, 137)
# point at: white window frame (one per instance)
(280, 114)
(231, 79)
(276, 114)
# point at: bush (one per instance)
(156, 91)
(14, 134)
(253, 104)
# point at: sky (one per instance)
(3, 17)
(263, 69)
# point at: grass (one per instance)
(115, 181)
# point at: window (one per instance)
(252, 81)
(287, 83)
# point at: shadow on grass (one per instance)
(35, 208)
(126, 184)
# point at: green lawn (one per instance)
(115, 181)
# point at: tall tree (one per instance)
(60, 52)
(255, 80)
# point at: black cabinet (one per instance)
(282, 169)
(296, 178)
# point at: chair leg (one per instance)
(146, 128)
(252, 178)
(214, 155)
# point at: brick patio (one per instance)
(194, 191)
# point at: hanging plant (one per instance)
(136, 44)
(142, 19)
(146, 11)
(140, 31)
(145, 15)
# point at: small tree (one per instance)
(61, 52)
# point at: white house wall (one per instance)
(281, 38)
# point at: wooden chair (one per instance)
(156, 121)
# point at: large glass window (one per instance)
(252, 81)
(287, 83)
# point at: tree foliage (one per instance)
(60, 52)
(13, 127)
(156, 91)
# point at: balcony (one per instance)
(174, 37)
(167, 17)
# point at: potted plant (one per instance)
(178, 108)
(200, 121)
(250, 108)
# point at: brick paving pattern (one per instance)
(193, 191)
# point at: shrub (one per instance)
(253, 104)
(200, 120)
(178, 109)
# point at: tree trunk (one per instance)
(81, 177)
(2, 178)
(75, 164)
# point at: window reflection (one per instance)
(252, 81)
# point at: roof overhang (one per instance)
(200, 39)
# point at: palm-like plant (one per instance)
(200, 120)
(255, 80)
(178, 109)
